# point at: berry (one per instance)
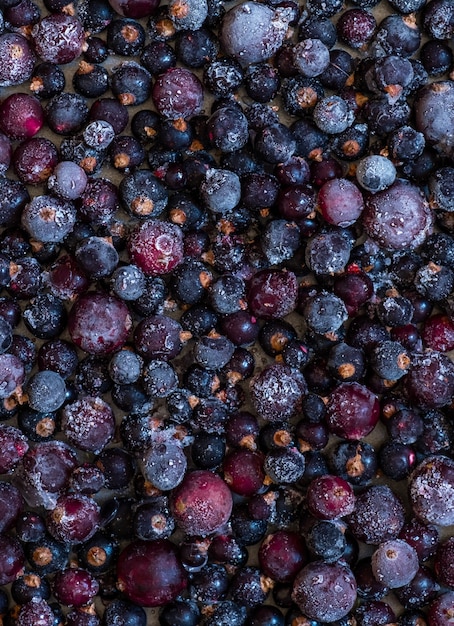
(431, 490)
(281, 555)
(394, 563)
(177, 93)
(378, 515)
(202, 503)
(407, 225)
(288, 387)
(99, 323)
(353, 411)
(150, 573)
(314, 586)
(58, 38)
(265, 30)
(330, 497)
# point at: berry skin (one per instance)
(330, 497)
(17, 59)
(99, 323)
(352, 411)
(288, 388)
(340, 202)
(75, 587)
(177, 93)
(398, 217)
(22, 116)
(150, 573)
(46, 391)
(14, 445)
(12, 560)
(281, 555)
(88, 423)
(431, 107)
(375, 173)
(202, 503)
(243, 471)
(272, 293)
(251, 32)
(431, 490)
(394, 563)
(74, 519)
(430, 380)
(156, 247)
(378, 516)
(58, 38)
(325, 591)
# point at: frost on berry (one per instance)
(431, 487)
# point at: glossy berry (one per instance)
(22, 116)
(75, 587)
(330, 497)
(150, 573)
(75, 518)
(353, 411)
(112, 323)
(281, 555)
(243, 471)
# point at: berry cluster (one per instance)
(226, 313)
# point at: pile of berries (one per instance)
(226, 313)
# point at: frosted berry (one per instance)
(99, 323)
(431, 487)
(202, 503)
(156, 247)
(325, 591)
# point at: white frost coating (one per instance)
(58, 38)
(432, 490)
(252, 32)
(408, 207)
(18, 59)
(220, 190)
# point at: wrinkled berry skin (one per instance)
(150, 573)
(58, 38)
